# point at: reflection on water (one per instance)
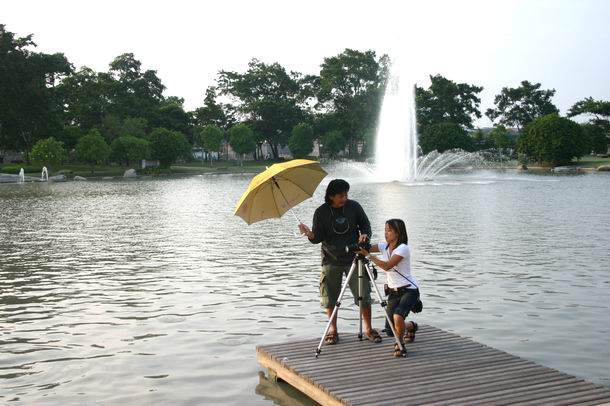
(152, 291)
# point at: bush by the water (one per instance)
(443, 137)
(14, 169)
(552, 140)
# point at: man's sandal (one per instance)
(373, 336)
(397, 352)
(410, 334)
(331, 338)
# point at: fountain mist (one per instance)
(396, 146)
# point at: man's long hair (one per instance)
(335, 187)
(399, 227)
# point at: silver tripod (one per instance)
(363, 264)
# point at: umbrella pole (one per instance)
(286, 200)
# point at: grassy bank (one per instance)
(592, 161)
(190, 168)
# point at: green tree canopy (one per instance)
(501, 138)
(552, 139)
(168, 146)
(301, 140)
(135, 93)
(129, 149)
(333, 143)
(443, 137)
(214, 113)
(209, 137)
(241, 138)
(351, 86)
(596, 139)
(70, 135)
(597, 110)
(134, 127)
(521, 105)
(171, 115)
(447, 101)
(29, 107)
(92, 149)
(48, 151)
(86, 97)
(267, 97)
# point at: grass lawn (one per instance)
(592, 161)
(72, 170)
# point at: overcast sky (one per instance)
(563, 44)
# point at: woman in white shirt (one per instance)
(395, 259)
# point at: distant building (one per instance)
(7, 157)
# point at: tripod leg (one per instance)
(384, 304)
(336, 309)
(360, 277)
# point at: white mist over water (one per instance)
(396, 146)
(397, 153)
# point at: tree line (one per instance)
(54, 112)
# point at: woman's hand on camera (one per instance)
(363, 252)
(363, 238)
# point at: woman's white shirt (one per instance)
(396, 280)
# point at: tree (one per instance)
(168, 146)
(70, 135)
(267, 97)
(596, 139)
(447, 101)
(111, 127)
(134, 127)
(499, 135)
(480, 140)
(171, 115)
(519, 106)
(301, 140)
(92, 149)
(333, 143)
(29, 107)
(214, 113)
(351, 86)
(598, 110)
(443, 137)
(241, 139)
(86, 97)
(134, 93)
(552, 139)
(48, 151)
(128, 149)
(210, 138)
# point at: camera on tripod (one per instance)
(366, 245)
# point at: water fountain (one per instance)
(21, 176)
(397, 155)
(396, 147)
(44, 175)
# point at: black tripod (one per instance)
(363, 264)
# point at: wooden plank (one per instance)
(571, 397)
(502, 396)
(453, 386)
(441, 368)
(417, 375)
(320, 396)
(443, 397)
(455, 357)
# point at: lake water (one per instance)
(151, 292)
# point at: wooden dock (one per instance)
(441, 369)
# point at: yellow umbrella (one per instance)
(279, 188)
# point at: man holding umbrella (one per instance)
(337, 223)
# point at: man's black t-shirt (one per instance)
(337, 228)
